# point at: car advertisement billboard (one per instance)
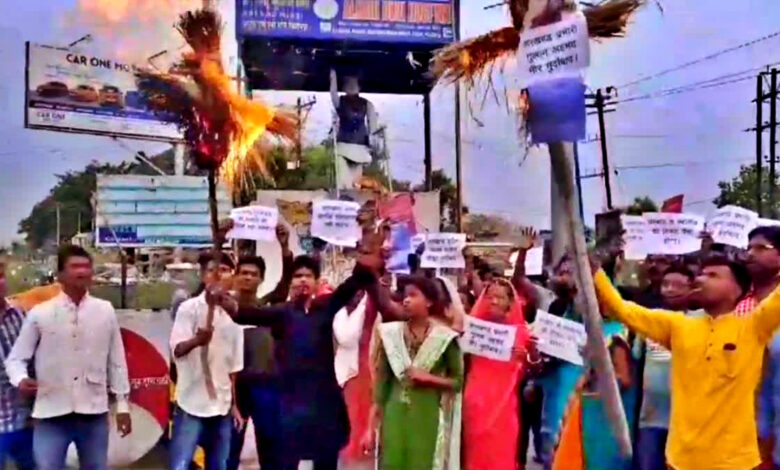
(424, 22)
(75, 91)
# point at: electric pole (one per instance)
(302, 110)
(759, 142)
(773, 94)
(600, 102)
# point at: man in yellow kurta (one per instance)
(716, 366)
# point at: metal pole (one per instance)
(178, 158)
(458, 163)
(58, 224)
(759, 142)
(772, 145)
(578, 177)
(427, 141)
(604, 157)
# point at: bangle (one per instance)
(533, 363)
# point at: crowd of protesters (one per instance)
(372, 372)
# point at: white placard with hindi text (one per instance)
(254, 223)
(635, 230)
(557, 50)
(673, 234)
(444, 251)
(559, 337)
(731, 225)
(336, 222)
(488, 339)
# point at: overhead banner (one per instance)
(71, 91)
(417, 22)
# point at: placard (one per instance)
(336, 222)
(761, 222)
(88, 93)
(444, 251)
(559, 337)
(731, 225)
(254, 223)
(557, 50)
(488, 339)
(635, 229)
(534, 261)
(673, 234)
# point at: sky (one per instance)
(689, 140)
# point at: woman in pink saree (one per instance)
(490, 404)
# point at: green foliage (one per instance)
(741, 191)
(641, 205)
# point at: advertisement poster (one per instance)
(417, 22)
(73, 91)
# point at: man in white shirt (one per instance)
(79, 355)
(201, 419)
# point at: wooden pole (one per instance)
(586, 299)
(215, 257)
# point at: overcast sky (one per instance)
(696, 136)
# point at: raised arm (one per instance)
(360, 279)
(269, 316)
(766, 317)
(18, 361)
(282, 289)
(387, 307)
(654, 324)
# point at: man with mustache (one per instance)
(716, 365)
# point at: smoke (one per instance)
(130, 30)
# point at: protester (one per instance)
(676, 287)
(79, 355)
(419, 377)
(452, 312)
(257, 388)
(716, 365)
(314, 423)
(491, 416)
(205, 416)
(16, 436)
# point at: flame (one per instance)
(227, 132)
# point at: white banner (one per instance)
(444, 250)
(534, 261)
(81, 92)
(558, 50)
(488, 339)
(559, 337)
(731, 225)
(673, 234)
(254, 223)
(336, 222)
(635, 229)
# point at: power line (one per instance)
(677, 91)
(700, 60)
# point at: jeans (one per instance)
(212, 433)
(18, 446)
(651, 448)
(51, 438)
(259, 400)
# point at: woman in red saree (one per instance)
(490, 419)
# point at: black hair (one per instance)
(565, 258)
(256, 261)
(429, 290)
(680, 268)
(738, 271)
(772, 234)
(306, 261)
(444, 294)
(71, 251)
(206, 257)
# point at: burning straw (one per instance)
(468, 60)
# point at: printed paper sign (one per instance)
(254, 223)
(635, 230)
(336, 222)
(559, 337)
(444, 250)
(558, 50)
(534, 261)
(488, 339)
(731, 225)
(673, 234)
(767, 223)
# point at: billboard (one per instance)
(74, 91)
(155, 211)
(425, 22)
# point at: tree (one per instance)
(741, 191)
(641, 205)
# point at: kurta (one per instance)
(410, 422)
(314, 420)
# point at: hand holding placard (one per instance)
(254, 223)
(336, 222)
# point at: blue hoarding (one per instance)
(416, 22)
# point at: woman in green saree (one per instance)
(417, 390)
